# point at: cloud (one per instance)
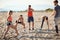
(24, 2)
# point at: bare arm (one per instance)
(18, 20)
(53, 13)
(32, 9)
(22, 19)
(7, 18)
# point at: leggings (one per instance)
(44, 18)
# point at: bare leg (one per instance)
(23, 25)
(32, 25)
(42, 22)
(29, 26)
(47, 24)
(15, 28)
(7, 30)
(56, 28)
(16, 31)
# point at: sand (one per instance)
(37, 23)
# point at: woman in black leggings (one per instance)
(45, 18)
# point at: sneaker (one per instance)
(24, 30)
(48, 30)
(39, 30)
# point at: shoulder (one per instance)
(55, 8)
(19, 18)
(59, 6)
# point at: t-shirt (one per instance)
(57, 9)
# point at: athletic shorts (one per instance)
(30, 19)
(20, 22)
(9, 23)
(46, 18)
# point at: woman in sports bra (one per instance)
(10, 25)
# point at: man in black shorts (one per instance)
(21, 21)
(30, 17)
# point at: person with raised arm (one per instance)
(10, 25)
(30, 17)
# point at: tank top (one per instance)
(30, 13)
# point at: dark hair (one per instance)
(21, 15)
(11, 11)
(56, 1)
(29, 5)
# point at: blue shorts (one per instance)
(30, 19)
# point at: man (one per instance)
(30, 17)
(56, 12)
(21, 21)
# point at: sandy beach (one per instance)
(37, 24)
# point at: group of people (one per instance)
(20, 21)
(56, 13)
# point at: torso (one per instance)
(30, 12)
(57, 9)
(20, 19)
(10, 18)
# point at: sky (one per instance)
(19, 5)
